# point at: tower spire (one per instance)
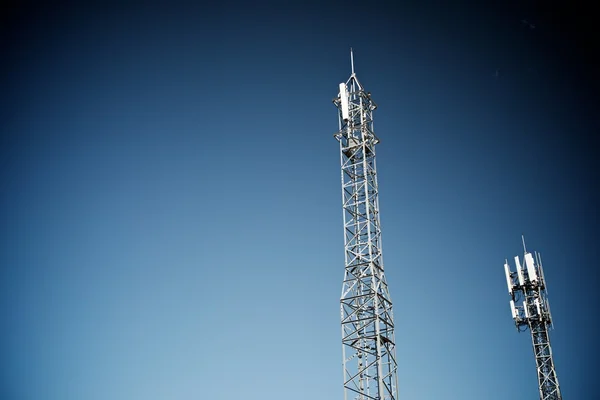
(352, 60)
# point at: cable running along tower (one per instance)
(528, 287)
(368, 346)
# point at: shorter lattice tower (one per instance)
(531, 309)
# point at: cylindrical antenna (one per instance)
(352, 60)
(523, 239)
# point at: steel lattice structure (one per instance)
(529, 284)
(368, 346)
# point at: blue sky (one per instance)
(172, 225)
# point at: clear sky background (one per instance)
(171, 202)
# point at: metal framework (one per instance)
(368, 346)
(529, 285)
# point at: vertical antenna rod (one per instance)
(534, 313)
(368, 344)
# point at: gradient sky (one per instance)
(171, 201)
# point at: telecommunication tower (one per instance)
(368, 346)
(530, 309)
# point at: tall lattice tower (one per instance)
(368, 346)
(530, 309)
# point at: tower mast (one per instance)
(528, 285)
(368, 345)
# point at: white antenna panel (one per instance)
(538, 262)
(508, 278)
(538, 256)
(530, 267)
(539, 309)
(549, 313)
(513, 309)
(519, 271)
(525, 308)
(344, 99)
